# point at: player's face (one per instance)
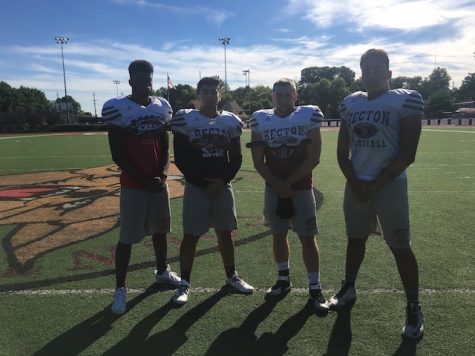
(284, 98)
(209, 96)
(141, 83)
(375, 74)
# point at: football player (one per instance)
(138, 141)
(377, 141)
(207, 150)
(286, 145)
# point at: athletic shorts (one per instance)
(200, 213)
(303, 223)
(143, 213)
(387, 211)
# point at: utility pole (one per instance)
(94, 101)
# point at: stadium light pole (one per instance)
(116, 82)
(225, 42)
(62, 40)
(247, 73)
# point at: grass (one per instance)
(441, 185)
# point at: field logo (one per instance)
(55, 209)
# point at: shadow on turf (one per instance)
(243, 340)
(165, 342)
(111, 271)
(339, 342)
(81, 336)
(407, 347)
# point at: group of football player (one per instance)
(377, 141)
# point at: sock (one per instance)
(412, 296)
(186, 275)
(283, 268)
(161, 268)
(230, 270)
(314, 277)
(350, 280)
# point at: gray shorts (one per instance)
(303, 223)
(201, 213)
(387, 211)
(143, 213)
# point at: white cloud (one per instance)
(384, 14)
(91, 66)
(217, 16)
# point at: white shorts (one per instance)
(303, 223)
(201, 213)
(143, 213)
(387, 211)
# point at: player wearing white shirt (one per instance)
(138, 141)
(286, 146)
(207, 150)
(377, 141)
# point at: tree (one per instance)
(439, 101)
(76, 107)
(467, 89)
(180, 97)
(261, 98)
(438, 79)
(312, 75)
(6, 97)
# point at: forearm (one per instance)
(164, 158)
(303, 170)
(347, 169)
(235, 161)
(395, 168)
(266, 173)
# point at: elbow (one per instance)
(410, 160)
(116, 159)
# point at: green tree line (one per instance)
(322, 86)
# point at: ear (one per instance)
(130, 82)
(390, 74)
(295, 96)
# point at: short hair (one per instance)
(285, 82)
(375, 52)
(140, 66)
(210, 81)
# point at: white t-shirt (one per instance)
(373, 127)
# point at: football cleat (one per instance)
(168, 276)
(239, 284)
(181, 294)
(317, 298)
(119, 304)
(414, 328)
(345, 296)
(280, 288)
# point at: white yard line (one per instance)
(53, 134)
(202, 290)
(441, 130)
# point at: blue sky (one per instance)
(272, 39)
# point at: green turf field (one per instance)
(60, 304)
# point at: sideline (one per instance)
(203, 290)
(444, 130)
(54, 134)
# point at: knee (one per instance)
(308, 241)
(354, 243)
(399, 241)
